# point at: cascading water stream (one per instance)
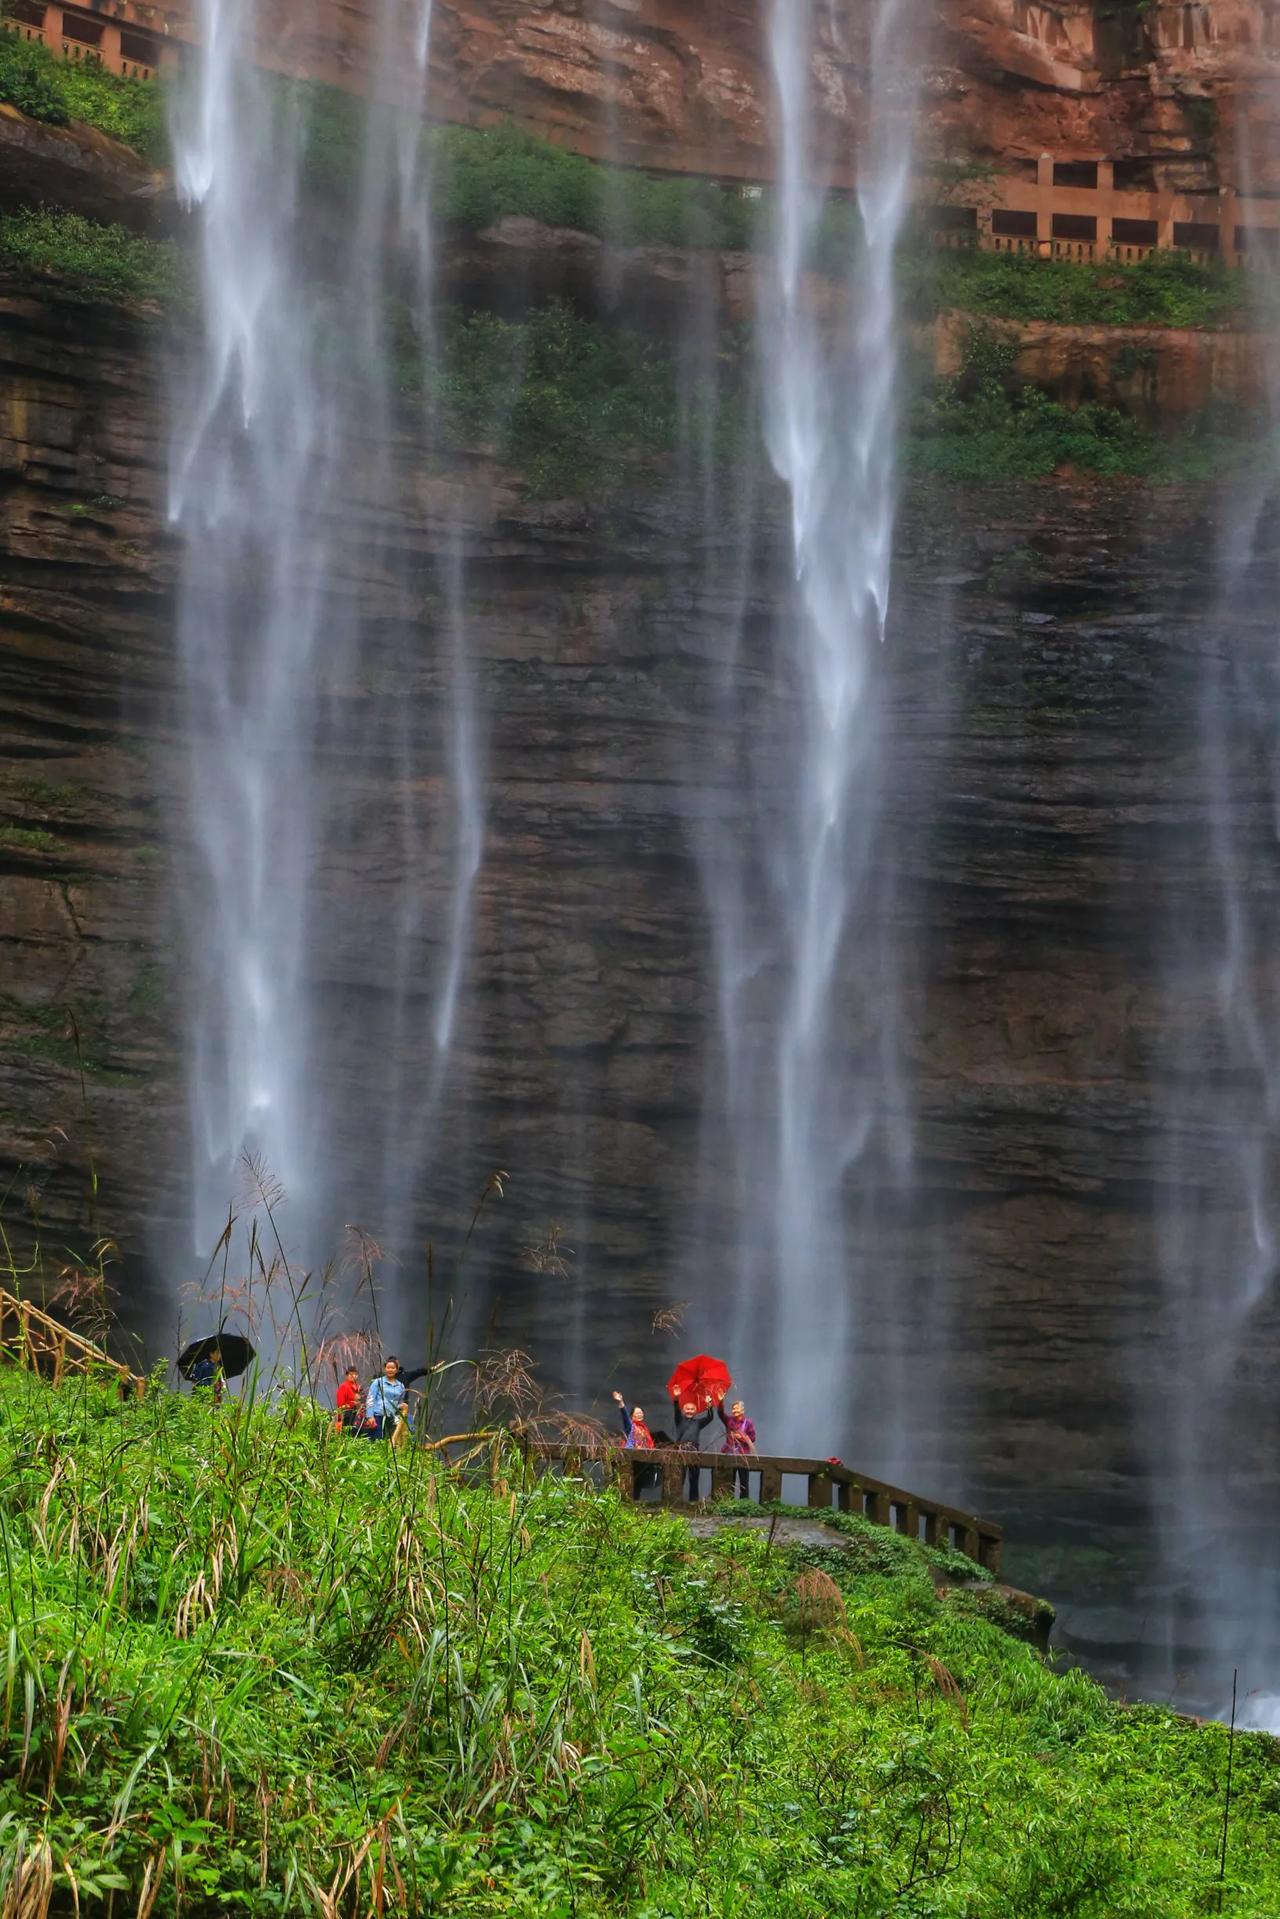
(249, 475)
(416, 1085)
(312, 671)
(828, 1074)
(1213, 1414)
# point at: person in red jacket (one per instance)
(636, 1437)
(349, 1400)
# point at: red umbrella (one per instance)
(701, 1379)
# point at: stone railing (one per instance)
(1094, 210)
(827, 1484)
(34, 1339)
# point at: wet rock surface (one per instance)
(1042, 697)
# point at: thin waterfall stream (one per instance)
(826, 1070)
(290, 437)
(1211, 1408)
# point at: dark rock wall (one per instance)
(1044, 819)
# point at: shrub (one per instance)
(28, 81)
(92, 261)
(57, 91)
(1166, 289)
(132, 111)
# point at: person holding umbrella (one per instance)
(697, 1386)
(207, 1371)
(690, 1426)
(216, 1358)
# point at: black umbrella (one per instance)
(235, 1353)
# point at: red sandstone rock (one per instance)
(674, 84)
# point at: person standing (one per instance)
(385, 1399)
(739, 1439)
(636, 1437)
(635, 1432)
(348, 1401)
(207, 1371)
(690, 1426)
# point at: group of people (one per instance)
(380, 1411)
(690, 1422)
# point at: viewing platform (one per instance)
(35, 1340)
(827, 1484)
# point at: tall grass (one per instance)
(248, 1664)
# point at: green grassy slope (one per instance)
(248, 1665)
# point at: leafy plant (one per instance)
(29, 81)
(34, 80)
(1166, 289)
(93, 261)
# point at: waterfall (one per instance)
(326, 691)
(1211, 1408)
(252, 468)
(815, 1081)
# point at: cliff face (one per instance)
(1007, 79)
(1045, 662)
(663, 83)
(682, 85)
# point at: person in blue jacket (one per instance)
(385, 1402)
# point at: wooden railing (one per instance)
(826, 1483)
(31, 1338)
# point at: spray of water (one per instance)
(815, 1085)
(294, 600)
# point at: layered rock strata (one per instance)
(1042, 693)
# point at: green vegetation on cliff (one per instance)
(484, 176)
(571, 403)
(983, 425)
(481, 176)
(579, 406)
(58, 91)
(90, 261)
(1167, 289)
(247, 1665)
